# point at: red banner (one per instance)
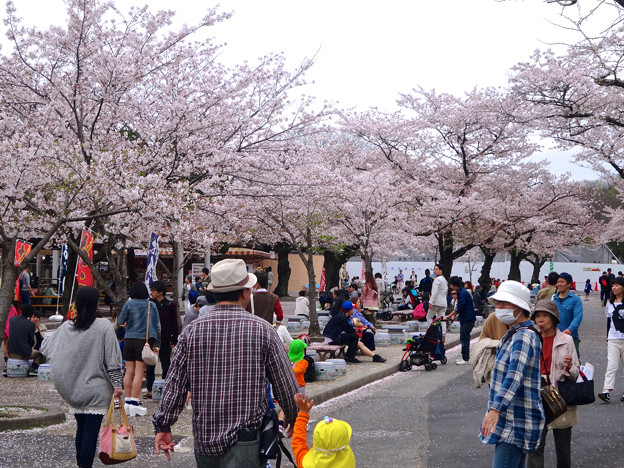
(21, 250)
(83, 272)
(323, 280)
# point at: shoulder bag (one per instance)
(552, 401)
(577, 393)
(148, 355)
(116, 442)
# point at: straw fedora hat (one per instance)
(230, 275)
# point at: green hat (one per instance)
(296, 350)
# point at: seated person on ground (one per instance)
(302, 304)
(339, 331)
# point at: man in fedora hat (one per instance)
(226, 359)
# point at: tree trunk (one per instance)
(283, 268)
(368, 262)
(333, 262)
(314, 329)
(514, 267)
(485, 281)
(538, 263)
(177, 279)
(445, 245)
(332, 269)
(131, 266)
(9, 277)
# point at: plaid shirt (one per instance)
(225, 358)
(515, 391)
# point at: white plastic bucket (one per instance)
(293, 326)
(157, 389)
(44, 372)
(325, 370)
(455, 327)
(340, 365)
(382, 338)
(17, 368)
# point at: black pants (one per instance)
(164, 354)
(604, 294)
(86, 438)
(563, 439)
(351, 340)
(368, 338)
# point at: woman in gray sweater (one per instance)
(86, 362)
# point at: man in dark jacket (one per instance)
(169, 330)
(426, 283)
(340, 331)
(21, 335)
(467, 317)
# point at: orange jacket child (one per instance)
(295, 354)
(330, 447)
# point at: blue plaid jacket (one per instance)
(515, 390)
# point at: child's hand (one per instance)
(303, 404)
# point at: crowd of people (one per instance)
(520, 347)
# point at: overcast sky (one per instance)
(370, 51)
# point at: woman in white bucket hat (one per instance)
(515, 416)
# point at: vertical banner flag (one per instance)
(323, 281)
(363, 269)
(21, 250)
(152, 260)
(63, 270)
(83, 272)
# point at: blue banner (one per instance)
(152, 260)
(63, 270)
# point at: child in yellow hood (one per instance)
(330, 444)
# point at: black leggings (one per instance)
(87, 437)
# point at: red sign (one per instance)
(22, 249)
(323, 280)
(83, 272)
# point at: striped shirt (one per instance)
(225, 358)
(515, 390)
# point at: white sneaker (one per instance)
(461, 362)
(134, 410)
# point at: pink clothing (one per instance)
(369, 297)
(12, 313)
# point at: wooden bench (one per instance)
(328, 351)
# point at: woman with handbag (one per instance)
(560, 361)
(134, 314)
(614, 311)
(87, 386)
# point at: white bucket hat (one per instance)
(230, 275)
(514, 292)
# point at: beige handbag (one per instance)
(148, 355)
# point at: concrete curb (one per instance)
(348, 386)
(51, 416)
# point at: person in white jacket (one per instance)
(439, 291)
(302, 304)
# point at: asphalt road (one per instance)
(432, 419)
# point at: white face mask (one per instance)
(506, 316)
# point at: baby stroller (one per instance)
(422, 351)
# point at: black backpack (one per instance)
(616, 318)
(310, 373)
